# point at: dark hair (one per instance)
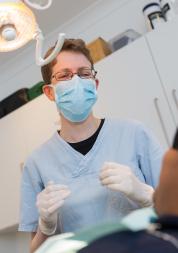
(73, 45)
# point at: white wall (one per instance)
(105, 18)
(14, 242)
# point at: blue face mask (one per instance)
(75, 98)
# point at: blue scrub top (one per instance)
(121, 141)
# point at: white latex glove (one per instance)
(48, 202)
(120, 178)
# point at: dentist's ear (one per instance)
(49, 92)
(97, 83)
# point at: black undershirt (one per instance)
(84, 146)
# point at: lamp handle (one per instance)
(39, 45)
(38, 6)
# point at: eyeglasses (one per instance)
(84, 73)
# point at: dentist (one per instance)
(91, 170)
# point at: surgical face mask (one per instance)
(75, 98)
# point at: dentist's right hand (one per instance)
(48, 202)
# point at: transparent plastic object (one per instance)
(123, 39)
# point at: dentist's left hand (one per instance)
(120, 178)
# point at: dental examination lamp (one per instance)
(18, 26)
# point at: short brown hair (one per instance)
(73, 45)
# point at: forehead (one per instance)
(70, 60)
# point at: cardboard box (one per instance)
(99, 49)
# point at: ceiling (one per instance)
(60, 12)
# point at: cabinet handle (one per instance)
(175, 97)
(161, 120)
(21, 166)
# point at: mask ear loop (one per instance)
(54, 89)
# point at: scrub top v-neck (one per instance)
(84, 146)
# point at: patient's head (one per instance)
(166, 194)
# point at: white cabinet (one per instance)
(12, 153)
(130, 88)
(21, 132)
(163, 45)
(41, 119)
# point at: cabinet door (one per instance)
(163, 44)
(41, 121)
(21, 132)
(130, 88)
(12, 153)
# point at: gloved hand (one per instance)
(48, 202)
(120, 178)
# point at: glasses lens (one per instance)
(86, 73)
(62, 76)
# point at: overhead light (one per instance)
(18, 26)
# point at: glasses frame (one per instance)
(93, 74)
